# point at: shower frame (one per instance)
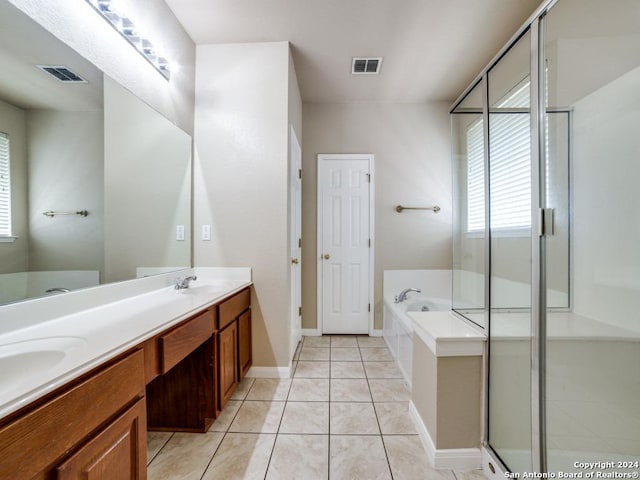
(535, 25)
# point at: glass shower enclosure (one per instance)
(546, 240)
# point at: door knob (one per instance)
(326, 256)
(295, 261)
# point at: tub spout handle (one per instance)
(403, 294)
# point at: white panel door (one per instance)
(296, 241)
(344, 243)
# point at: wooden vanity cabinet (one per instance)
(227, 363)
(234, 343)
(244, 344)
(95, 428)
(116, 453)
(193, 369)
(183, 396)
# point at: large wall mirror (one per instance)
(94, 184)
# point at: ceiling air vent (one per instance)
(64, 74)
(366, 65)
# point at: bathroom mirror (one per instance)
(99, 182)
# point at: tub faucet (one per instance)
(403, 294)
(57, 289)
(182, 283)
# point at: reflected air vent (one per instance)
(366, 65)
(62, 73)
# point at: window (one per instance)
(475, 177)
(5, 187)
(510, 179)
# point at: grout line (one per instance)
(375, 411)
(329, 419)
(226, 431)
(160, 449)
(284, 409)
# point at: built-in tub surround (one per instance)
(20, 285)
(56, 339)
(447, 388)
(434, 295)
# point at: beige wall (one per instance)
(410, 143)
(241, 178)
(66, 173)
(84, 30)
(447, 393)
(14, 257)
(147, 188)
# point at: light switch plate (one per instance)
(206, 232)
(180, 233)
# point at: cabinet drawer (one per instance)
(26, 446)
(183, 340)
(230, 309)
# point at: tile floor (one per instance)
(343, 415)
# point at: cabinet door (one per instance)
(116, 453)
(227, 362)
(32, 444)
(244, 343)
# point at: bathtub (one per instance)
(21, 285)
(397, 329)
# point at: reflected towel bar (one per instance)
(435, 208)
(82, 213)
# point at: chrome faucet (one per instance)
(403, 294)
(182, 283)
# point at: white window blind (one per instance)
(475, 177)
(510, 166)
(5, 186)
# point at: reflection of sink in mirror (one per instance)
(19, 360)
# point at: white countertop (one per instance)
(39, 357)
(447, 335)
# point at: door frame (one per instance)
(319, 264)
(295, 205)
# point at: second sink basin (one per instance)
(20, 361)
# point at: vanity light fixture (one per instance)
(128, 30)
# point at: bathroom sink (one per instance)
(19, 361)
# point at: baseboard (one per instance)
(315, 332)
(269, 372)
(311, 332)
(447, 458)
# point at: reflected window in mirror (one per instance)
(5, 186)
(72, 150)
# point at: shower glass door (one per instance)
(509, 95)
(592, 69)
(469, 227)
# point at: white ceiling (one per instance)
(432, 49)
